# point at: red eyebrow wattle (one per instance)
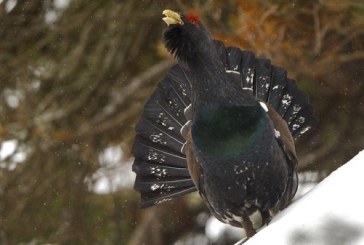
(193, 18)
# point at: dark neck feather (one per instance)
(210, 82)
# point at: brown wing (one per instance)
(286, 141)
(285, 135)
(192, 163)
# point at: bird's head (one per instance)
(185, 36)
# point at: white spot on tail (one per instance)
(157, 138)
(264, 106)
(158, 172)
(246, 88)
(156, 186)
(295, 126)
(163, 200)
(286, 100)
(152, 155)
(231, 71)
(250, 76)
(296, 109)
(183, 147)
(301, 120)
(187, 108)
(187, 124)
(304, 130)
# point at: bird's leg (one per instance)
(248, 226)
(266, 217)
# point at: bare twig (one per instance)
(134, 84)
(140, 234)
(317, 28)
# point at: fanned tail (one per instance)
(270, 84)
(159, 163)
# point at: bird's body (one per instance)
(222, 122)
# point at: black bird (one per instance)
(222, 122)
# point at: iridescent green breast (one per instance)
(227, 131)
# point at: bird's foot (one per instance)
(266, 217)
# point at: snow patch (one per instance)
(331, 213)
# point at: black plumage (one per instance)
(222, 122)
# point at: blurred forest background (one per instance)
(74, 76)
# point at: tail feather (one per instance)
(220, 50)
(156, 133)
(166, 107)
(276, 87)
(163, 114)
(247, 69)
(151, 170)
(155, 197)
(160, 165)
(271, 85)
(289, 93)
(145, 186)
(297, 101)
(233, 59)
(242, 62)
(290, 102)
(303, 122)
(180, 82)
(262, 83)
(296, 110)
(163, 155)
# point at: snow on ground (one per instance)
(331, 213)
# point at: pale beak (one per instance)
(172, 17)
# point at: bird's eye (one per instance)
(193, 19)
